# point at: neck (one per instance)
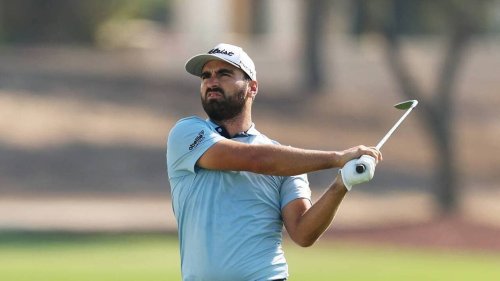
(236, 125)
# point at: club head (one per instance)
(406, 104)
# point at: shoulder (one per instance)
(188, 128)
(188, 124)
(187, 121)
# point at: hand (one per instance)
(352, 175)
(356, 152)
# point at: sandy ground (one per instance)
(394, 219)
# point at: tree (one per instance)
(462, 20)
(69, 21)
(316, 11)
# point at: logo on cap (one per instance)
(219, 51)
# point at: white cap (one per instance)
(224, 52)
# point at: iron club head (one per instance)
(406, 104)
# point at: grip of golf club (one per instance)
(360, 168)
(350, 175)
(363, 162)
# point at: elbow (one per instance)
(304, 242)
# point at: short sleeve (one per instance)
(187, 141)
(294, 187)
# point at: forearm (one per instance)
(316, 220)
(287, 161)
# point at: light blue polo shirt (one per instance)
(229, 222)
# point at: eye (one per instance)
(204, 76)
(224, 73)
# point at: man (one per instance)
(233, 188)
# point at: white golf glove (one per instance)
(358, 171)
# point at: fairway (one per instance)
(106, 257)
(97, 257)
(335, 261)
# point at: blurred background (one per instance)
(90, 89)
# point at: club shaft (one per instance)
(386, 137)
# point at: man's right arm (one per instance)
(276, 160)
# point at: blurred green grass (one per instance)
(328, 260)
(97, 257)
(107, 257)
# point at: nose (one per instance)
(211, 81)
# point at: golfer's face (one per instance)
(223, 90)
(218, 75)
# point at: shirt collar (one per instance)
(223, 132)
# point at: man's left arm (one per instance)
(305, 223)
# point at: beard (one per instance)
(226, 108)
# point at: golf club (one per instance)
(406, 105)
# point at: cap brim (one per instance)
(195, 64)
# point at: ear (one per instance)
(253, 88)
